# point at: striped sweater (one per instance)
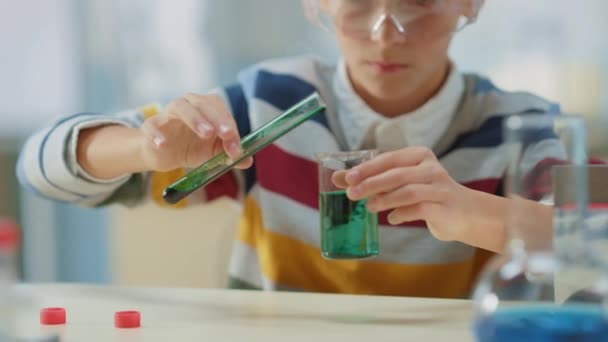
(277, 245)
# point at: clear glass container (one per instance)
(550, 283)
(348, 229)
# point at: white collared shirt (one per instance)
(364, 128)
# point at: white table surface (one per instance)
(228, 315)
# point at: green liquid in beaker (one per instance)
(348, 229)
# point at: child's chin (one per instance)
(389, 89)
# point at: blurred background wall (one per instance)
(64, 56)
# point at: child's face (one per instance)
(385, 62)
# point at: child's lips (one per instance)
(386, 67)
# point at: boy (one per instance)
(437, 187)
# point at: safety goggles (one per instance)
(413, 20)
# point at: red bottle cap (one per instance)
(9, 234)
(52, 316)
(127, 319)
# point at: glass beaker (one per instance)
(517, 297)
(583, 252)
(348, 229)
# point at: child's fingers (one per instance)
(391, 179)
(245, 164)
(153, 133)
(409, 156)
(215, 111)
(192, 117)
(339, 179)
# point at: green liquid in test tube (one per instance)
(251, 144)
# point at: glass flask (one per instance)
(550, 283)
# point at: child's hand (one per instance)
(189, 131)
(414, 185)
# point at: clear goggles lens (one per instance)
(412, 19)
